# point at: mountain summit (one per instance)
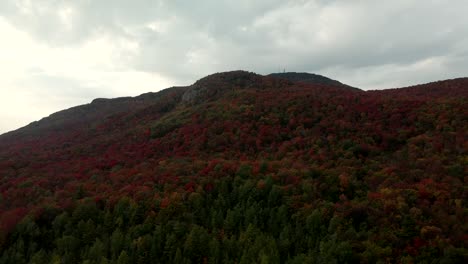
(309, 78)
(242, 168)
(215, 85)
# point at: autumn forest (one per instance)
(243, 168)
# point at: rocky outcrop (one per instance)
(216, 85)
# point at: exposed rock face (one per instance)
(194, 94)
(215, 85)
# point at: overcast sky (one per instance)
(55, 54)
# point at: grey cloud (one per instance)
(42, 85)
(200, 37)
(39, 95)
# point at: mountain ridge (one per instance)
(193, 95)
(197, 92)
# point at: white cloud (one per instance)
(38, 80)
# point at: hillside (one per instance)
(242, 168)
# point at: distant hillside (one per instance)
(440, 89)
(98, 110)
(242, 168)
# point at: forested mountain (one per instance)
(242, 168)
(309, 78)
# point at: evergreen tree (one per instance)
(123, 258)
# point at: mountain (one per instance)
(310, 78)
(242, 168)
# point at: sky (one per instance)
(55, 54)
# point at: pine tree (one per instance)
(123, 258)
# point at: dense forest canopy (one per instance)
(242, 168)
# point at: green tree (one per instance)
(123, 258)
(196, 244)
(116, 243)
(178, 258)
(215, 251)
(96, 251)
(40, 257)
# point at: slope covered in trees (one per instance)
(310, 78)
(242, 168)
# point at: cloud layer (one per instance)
(61, 53)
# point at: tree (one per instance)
(116, 243)
(97, 251)
(123, 258)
